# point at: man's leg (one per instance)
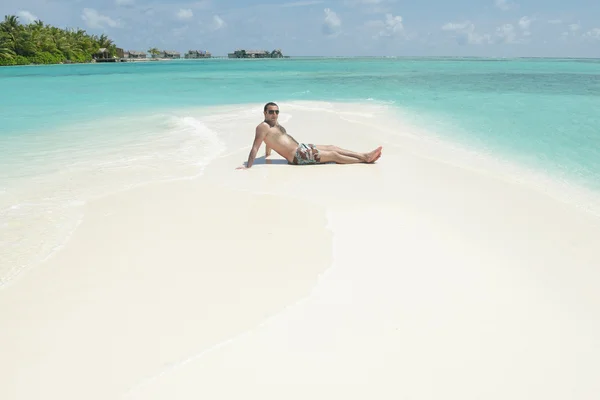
(333, 156)
(340, 158)
(362, 157)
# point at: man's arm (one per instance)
(259, 137)
(267, 150)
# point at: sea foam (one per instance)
(49, 181)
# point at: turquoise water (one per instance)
(542, 113)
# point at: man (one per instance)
(276, 138)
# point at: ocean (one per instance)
(70, 133)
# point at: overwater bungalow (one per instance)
(197, 54)
(103, 55)
(135, 54)
(169, 54)
(243, 53)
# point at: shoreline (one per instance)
(381, 118)
(439, 57)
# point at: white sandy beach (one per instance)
(427, 275)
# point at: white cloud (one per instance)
(124, 2)
(218, 23)
(452, 26)
(593, 34)
(572, 32)
(506, 33)
(465, 33)
(504, 5)
(184, 13)
(27, 16)
(524, 23)
(391, 26)
(332, 23)
(95, 20)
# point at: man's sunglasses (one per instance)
(273, 111)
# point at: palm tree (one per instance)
(10, 28)
(154, 52)
(10, 23)
(5, 52)
(104, 41)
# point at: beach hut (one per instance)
(198, 54)
(136, 54)
(102, 54)
(242, 53)
(170, 54)
(257, 53)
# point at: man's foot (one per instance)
(374, 155)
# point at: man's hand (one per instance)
(242, 167)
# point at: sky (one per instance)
(487, 28)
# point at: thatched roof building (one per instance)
(135, 54)
(170, 54)
(198, 54)
(102, 53)
(243, 53)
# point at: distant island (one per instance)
(39, 43)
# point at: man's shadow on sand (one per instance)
(267, 161)
(278, 161)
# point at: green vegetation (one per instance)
(36, 43)
(276, 54)
(257, 54)
(154, 52)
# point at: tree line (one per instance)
(36, 43)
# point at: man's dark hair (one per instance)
(270, 104)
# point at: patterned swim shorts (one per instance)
(306, 154)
